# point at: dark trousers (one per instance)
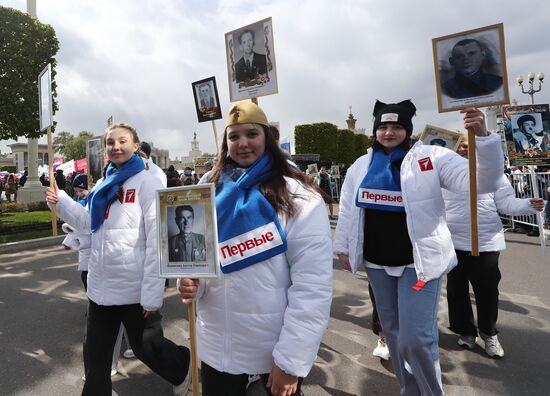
(216, 383)
(483, 273)
(376, 326)
(161, 355)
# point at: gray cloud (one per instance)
(137, 60)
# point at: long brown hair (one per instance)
(274, 189)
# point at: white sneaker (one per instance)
(181, 389)
(381, 349)
(114, 372)
(129, 354)
(467, 341)
(492, 346)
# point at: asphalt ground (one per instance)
(42, 306)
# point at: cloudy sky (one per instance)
(136, 59)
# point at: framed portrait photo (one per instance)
(435, 136)
(207, 101)
(251, 68)
(187, 232)
(45, 107)
(95, 159)
(527, 134)
(470, 69)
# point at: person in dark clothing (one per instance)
(173, 177)
(23, 179)
(44, 181)
(325, 183)
(60, 179)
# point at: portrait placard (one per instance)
(187, 232)
(45, 98)
(250, 57)
(207, 101)
(312, 169)
(335, 171)
(470, 69)
(527, 134)
(435, 136)
(94, 159)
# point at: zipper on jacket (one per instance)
(417, 263)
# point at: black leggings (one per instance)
(216, 383)
(161, 355)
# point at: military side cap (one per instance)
(246, 112)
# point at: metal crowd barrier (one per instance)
(523, 185)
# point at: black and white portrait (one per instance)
(207, 102)
(528, 132)
(251, 61)
(470, 68)
(94, 158)
(186, 241)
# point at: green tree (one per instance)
(346, 146)
(319, 138)
(362, 143)
(70, 146)
(26, 47)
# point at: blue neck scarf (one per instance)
(381, 187)
(249, 230)
(100, 198)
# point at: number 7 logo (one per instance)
(425, 164)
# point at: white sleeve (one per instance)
(507, 203)
(453, 169)
(73, 213)
(152, 287)
(309, 256)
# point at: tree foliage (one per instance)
(70, 146)
(26, 47)
(341, 146)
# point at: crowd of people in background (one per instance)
(383, 228)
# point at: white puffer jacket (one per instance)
(122, 267)
(424, 172)
(491, 234)
(276, 310)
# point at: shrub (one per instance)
(12, 207)
(34, 206)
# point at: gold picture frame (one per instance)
(187, 232)
(436, 136)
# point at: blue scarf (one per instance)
(249, 230)
(100, 198)
(381, 187)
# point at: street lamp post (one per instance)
(531, 78)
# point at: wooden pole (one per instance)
(193, 342)
(537, 194)
(52, 180)
(215, 135)
(473, 191)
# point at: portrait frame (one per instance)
(246, 82)
(207, 113)
(431, 133)
(520, 151)
(95, 159)
(201, 196)
(45, 106)
(312, 169)
(455, 92)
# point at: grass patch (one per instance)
(19, 218)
